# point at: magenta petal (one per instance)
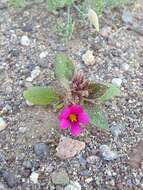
(65, 113)
(77, 109)
(76, 130)
(64, 124)
(84, 118)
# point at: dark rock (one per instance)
(10, 179)
(28, 27)
(14, 52)
(82, 161)
(127, 17)
(41, 150)
(26, 172)
(60, 47)
(2, 157)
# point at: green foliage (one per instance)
(115, 3)
(96, 90)
(41, 95)
(96, 5)
(64, 68)
(111, 92)
(97, 117)
(54, 4)
(18, 3)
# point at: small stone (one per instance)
(88, 58)
(9, 178)
(82, 161)
(117, 81)
(125, 66)
(127, 17)
(105, 31)
(92, 159)
(60, 177)
(2, 158)
(34, 177)
(3, 124)
(41, 150)
(117, 129)
(28, 27)
(60, 47)
(2, 187)
(89, 180)
(3, 4)
(26, 173)
(107, 154)
(35, 73)
(74, 185)
(43, 54)
(25, 41)
(27, 164)
(68, 148)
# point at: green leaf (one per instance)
(96, 90)
(18, 3)
(41, 95)
(97, 117)
(55, 4)
(112, 92)
(64, 68)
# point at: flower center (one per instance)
(73, 118)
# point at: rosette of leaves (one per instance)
(72, 88)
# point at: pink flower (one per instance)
(72, 117)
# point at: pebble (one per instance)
(117, 129)
(28, 27)
(34, 177)
(68, 148)
(107, 154)
(74, 185)
(41, 150)
(105, 31)
(125, 66)
(117, 81)
(2, 158)
(3, 4)
(60, 177)
(34, 74)
(88, 58)
(2, 187)
(10, 179)
(25, 41)
(27, 164)
(3, 124)
(43, 54)
(127, 17)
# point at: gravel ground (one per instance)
(29, 137)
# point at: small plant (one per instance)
(81, 100)
(17, 3)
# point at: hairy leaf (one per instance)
(112, 92)
(64, 68)
(41, 95)
(97, 117)
(96, 90)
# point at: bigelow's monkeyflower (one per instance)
(73, 117)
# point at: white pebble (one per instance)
(3, 124)
(74, 185)
(34, 177)
(117, 81)
(43, 54)
(125, 66)
(25, 41)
